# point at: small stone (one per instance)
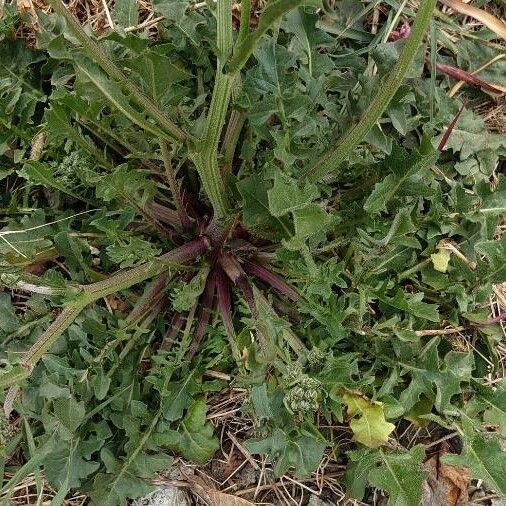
(165, 496)
(314, 500)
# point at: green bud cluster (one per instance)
(77, 167)
(303, 397)
(316, 358)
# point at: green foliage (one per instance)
(109, 337)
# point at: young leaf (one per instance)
(285, 195)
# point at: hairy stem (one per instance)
(332, 160)
(90, 293)
(173, 184)
(206, 159)
(234, 127)
(99, 57)
(272, 13)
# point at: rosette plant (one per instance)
(209, 192)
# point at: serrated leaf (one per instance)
(301, 452)
(368, 420)
(447, 375)
(112, 92)
(406, 169)
(185, 295)
(286, 196)
(65, 465)
(308, 221)
(255, 209)
(485, 458)
(41, 173)
(178, 397)
(401, 475)
(412, 304)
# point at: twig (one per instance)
(439, 332)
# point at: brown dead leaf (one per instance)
(496, 25)
(26, 7)
(218, 498)
(215, 497)
(445, 485)
(116, 304)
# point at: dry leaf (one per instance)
(496, 25)
(214, 497)
(218, 498)
(445, 485)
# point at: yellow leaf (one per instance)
(440, 260)
(368, 420)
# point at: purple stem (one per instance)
(450, 128)
(234, 271)
(148, 298)
(499, 318)
(271, 279)
(188, 251)
(165, 214)
(224, 301)
(224, 307)
(176, 326)
(206, 304)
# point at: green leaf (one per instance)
(255, 209)
(447, 375)
(114, 95)
(407, 169)
(9, 322)
(400, 475)
(302, 452)
(494, 270)
(158, 74)
(128, 184)
(194, 438)
(260, 400)
(412, 304)
(285, 195)
(274, 10)
(178, 397)
(69, 412)
(494, 402)
(485, 458)
(114, 487)
(308, 222)
(133, 252)
(185, 296)
(125, 13)
(65, 464)
(368, 420)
